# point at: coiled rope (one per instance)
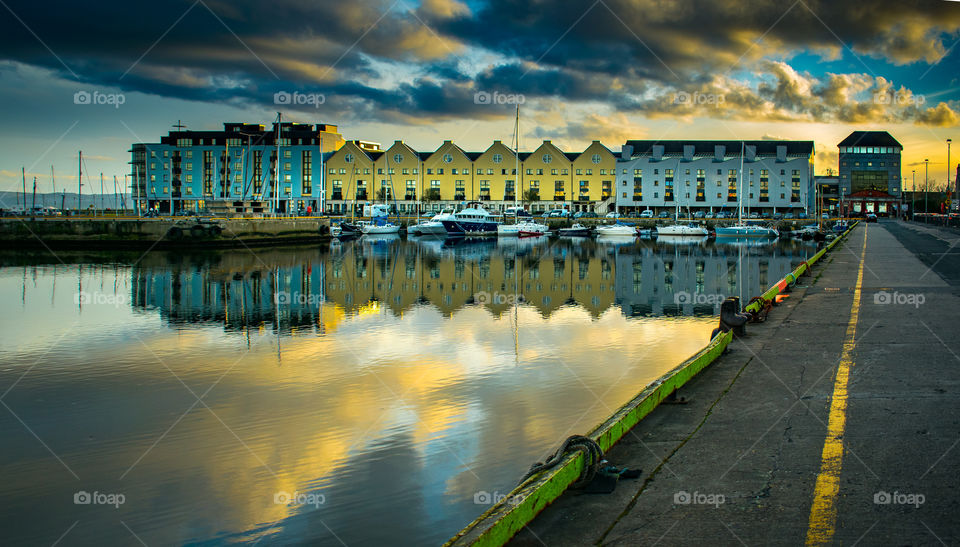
(592, 456)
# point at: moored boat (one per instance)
(473, 220)
(577, 230)
(616, 230)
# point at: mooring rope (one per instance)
(592, 456)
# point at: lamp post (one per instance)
(913, 197)
(948, 174)
(926, 190)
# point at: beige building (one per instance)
(360, 173)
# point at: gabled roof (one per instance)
(705, 148)
(572, 155)
(473, 155)
(870, 138)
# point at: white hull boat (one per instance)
(681, 230)
(620, 230)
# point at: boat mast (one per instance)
(516, 168)
(276, 187)
(740, 184)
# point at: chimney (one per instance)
(626, 152)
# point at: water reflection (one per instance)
(395, 379)
(638, 277)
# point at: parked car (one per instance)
(778, 216)
(802, 215)
(664, 214)
(825, 216)
(788, 216)
(708, 215)
(699, 214)
(723, 214)
(646, 214)
(871, 217)
(558, 213)
(585, 214)
(152, 213)
(612, 214)
(754, 215)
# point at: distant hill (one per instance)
(68, 200)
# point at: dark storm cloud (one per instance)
(370, 60)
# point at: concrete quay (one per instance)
(837, 421)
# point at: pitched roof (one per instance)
(870, 138)
(705, 148)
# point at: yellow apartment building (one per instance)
(360, 173)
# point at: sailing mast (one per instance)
(276, 189)
(740, 185)
(516, 168)
(79, 180)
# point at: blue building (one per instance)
(243, 169)
(870, 180)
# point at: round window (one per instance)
(547, 158)
(447, 158)
(398, 158)
(497, 158)
(348, 158)
(595, 158)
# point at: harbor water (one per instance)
(372, 391)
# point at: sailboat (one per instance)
(380, 224)
(525, 228)
(677, 229)
(741, 229)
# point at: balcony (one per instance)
(559, 197)
(336, 195)
(410, 196)
(459, 196)
(361, 194)
(509, 197)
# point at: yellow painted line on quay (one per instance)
(823, 512)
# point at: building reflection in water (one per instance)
(294, 289)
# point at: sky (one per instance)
(99, 76)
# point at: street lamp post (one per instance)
(948, 173)
(926, 190)
(913, 197)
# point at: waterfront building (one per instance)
(234, 171)
(870, 177)
(705, 176)
(828, 192)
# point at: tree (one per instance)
(531, 194)
(433, 194)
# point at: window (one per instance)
(348, 158)
(447, 158)
(547, 158)
(398, 158)
(497, 158)
(595, 159)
